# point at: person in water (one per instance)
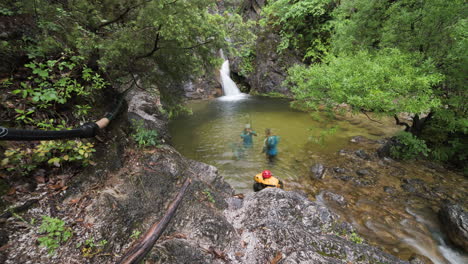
(266, 180)
(246, 136)
(269, 145)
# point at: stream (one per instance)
(402, 225)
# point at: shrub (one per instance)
(408, 147)
(143, 136)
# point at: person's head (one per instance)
(266, 174)
(247, 127)
(268, 132)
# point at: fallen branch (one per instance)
(138, 252)
(364, 112)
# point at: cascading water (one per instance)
(230, 90)
(229, 86)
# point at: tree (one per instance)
(161, 42)
(386, 82)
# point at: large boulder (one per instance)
(278, 225)
(454, 220)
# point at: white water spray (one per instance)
(229, 86)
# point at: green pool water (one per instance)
(212, 135)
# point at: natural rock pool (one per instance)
(392, 204)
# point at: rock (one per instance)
(419, 259)
(389, 189)
(339, 170)
(270, 66)
(454, 220)
(318, 171)
(274, 220)
(343, 177)
(359, 139)
(335, 198)
(362, 154)
(384, 150)
(363, 172)
(365, 177)
(414, 185)
(144, 106)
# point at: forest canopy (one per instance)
(383, 56)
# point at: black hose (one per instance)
(87, 130)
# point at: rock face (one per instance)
(270, 67)
(275, 224)
(454, 221)
(146, 107)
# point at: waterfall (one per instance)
(229, 86)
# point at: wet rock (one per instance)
(318, 171)
(363, 172)
(359, 139)
(343, 177)
(419, 259)
(342, 152)
(454, 221)
(335, 198)
(339, 170)
(384, 151)
(389, 189)
(365, 177)
(414, 185)
(362, 154)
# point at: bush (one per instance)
(23, 161)
(408, 147)
(143, 136)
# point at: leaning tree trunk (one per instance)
(418, 124)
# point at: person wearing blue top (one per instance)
(269, 145)
(246, 136)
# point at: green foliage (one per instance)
(303, 25)
(408, 147)
(91, 247)
(247, 62)
(386, 82)
(143, 136)
(135, 234)
(53, 153)
(82, 110)
(209, 196)
(57, 81)
(354, 237)
(437, 30)
(55, 233)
